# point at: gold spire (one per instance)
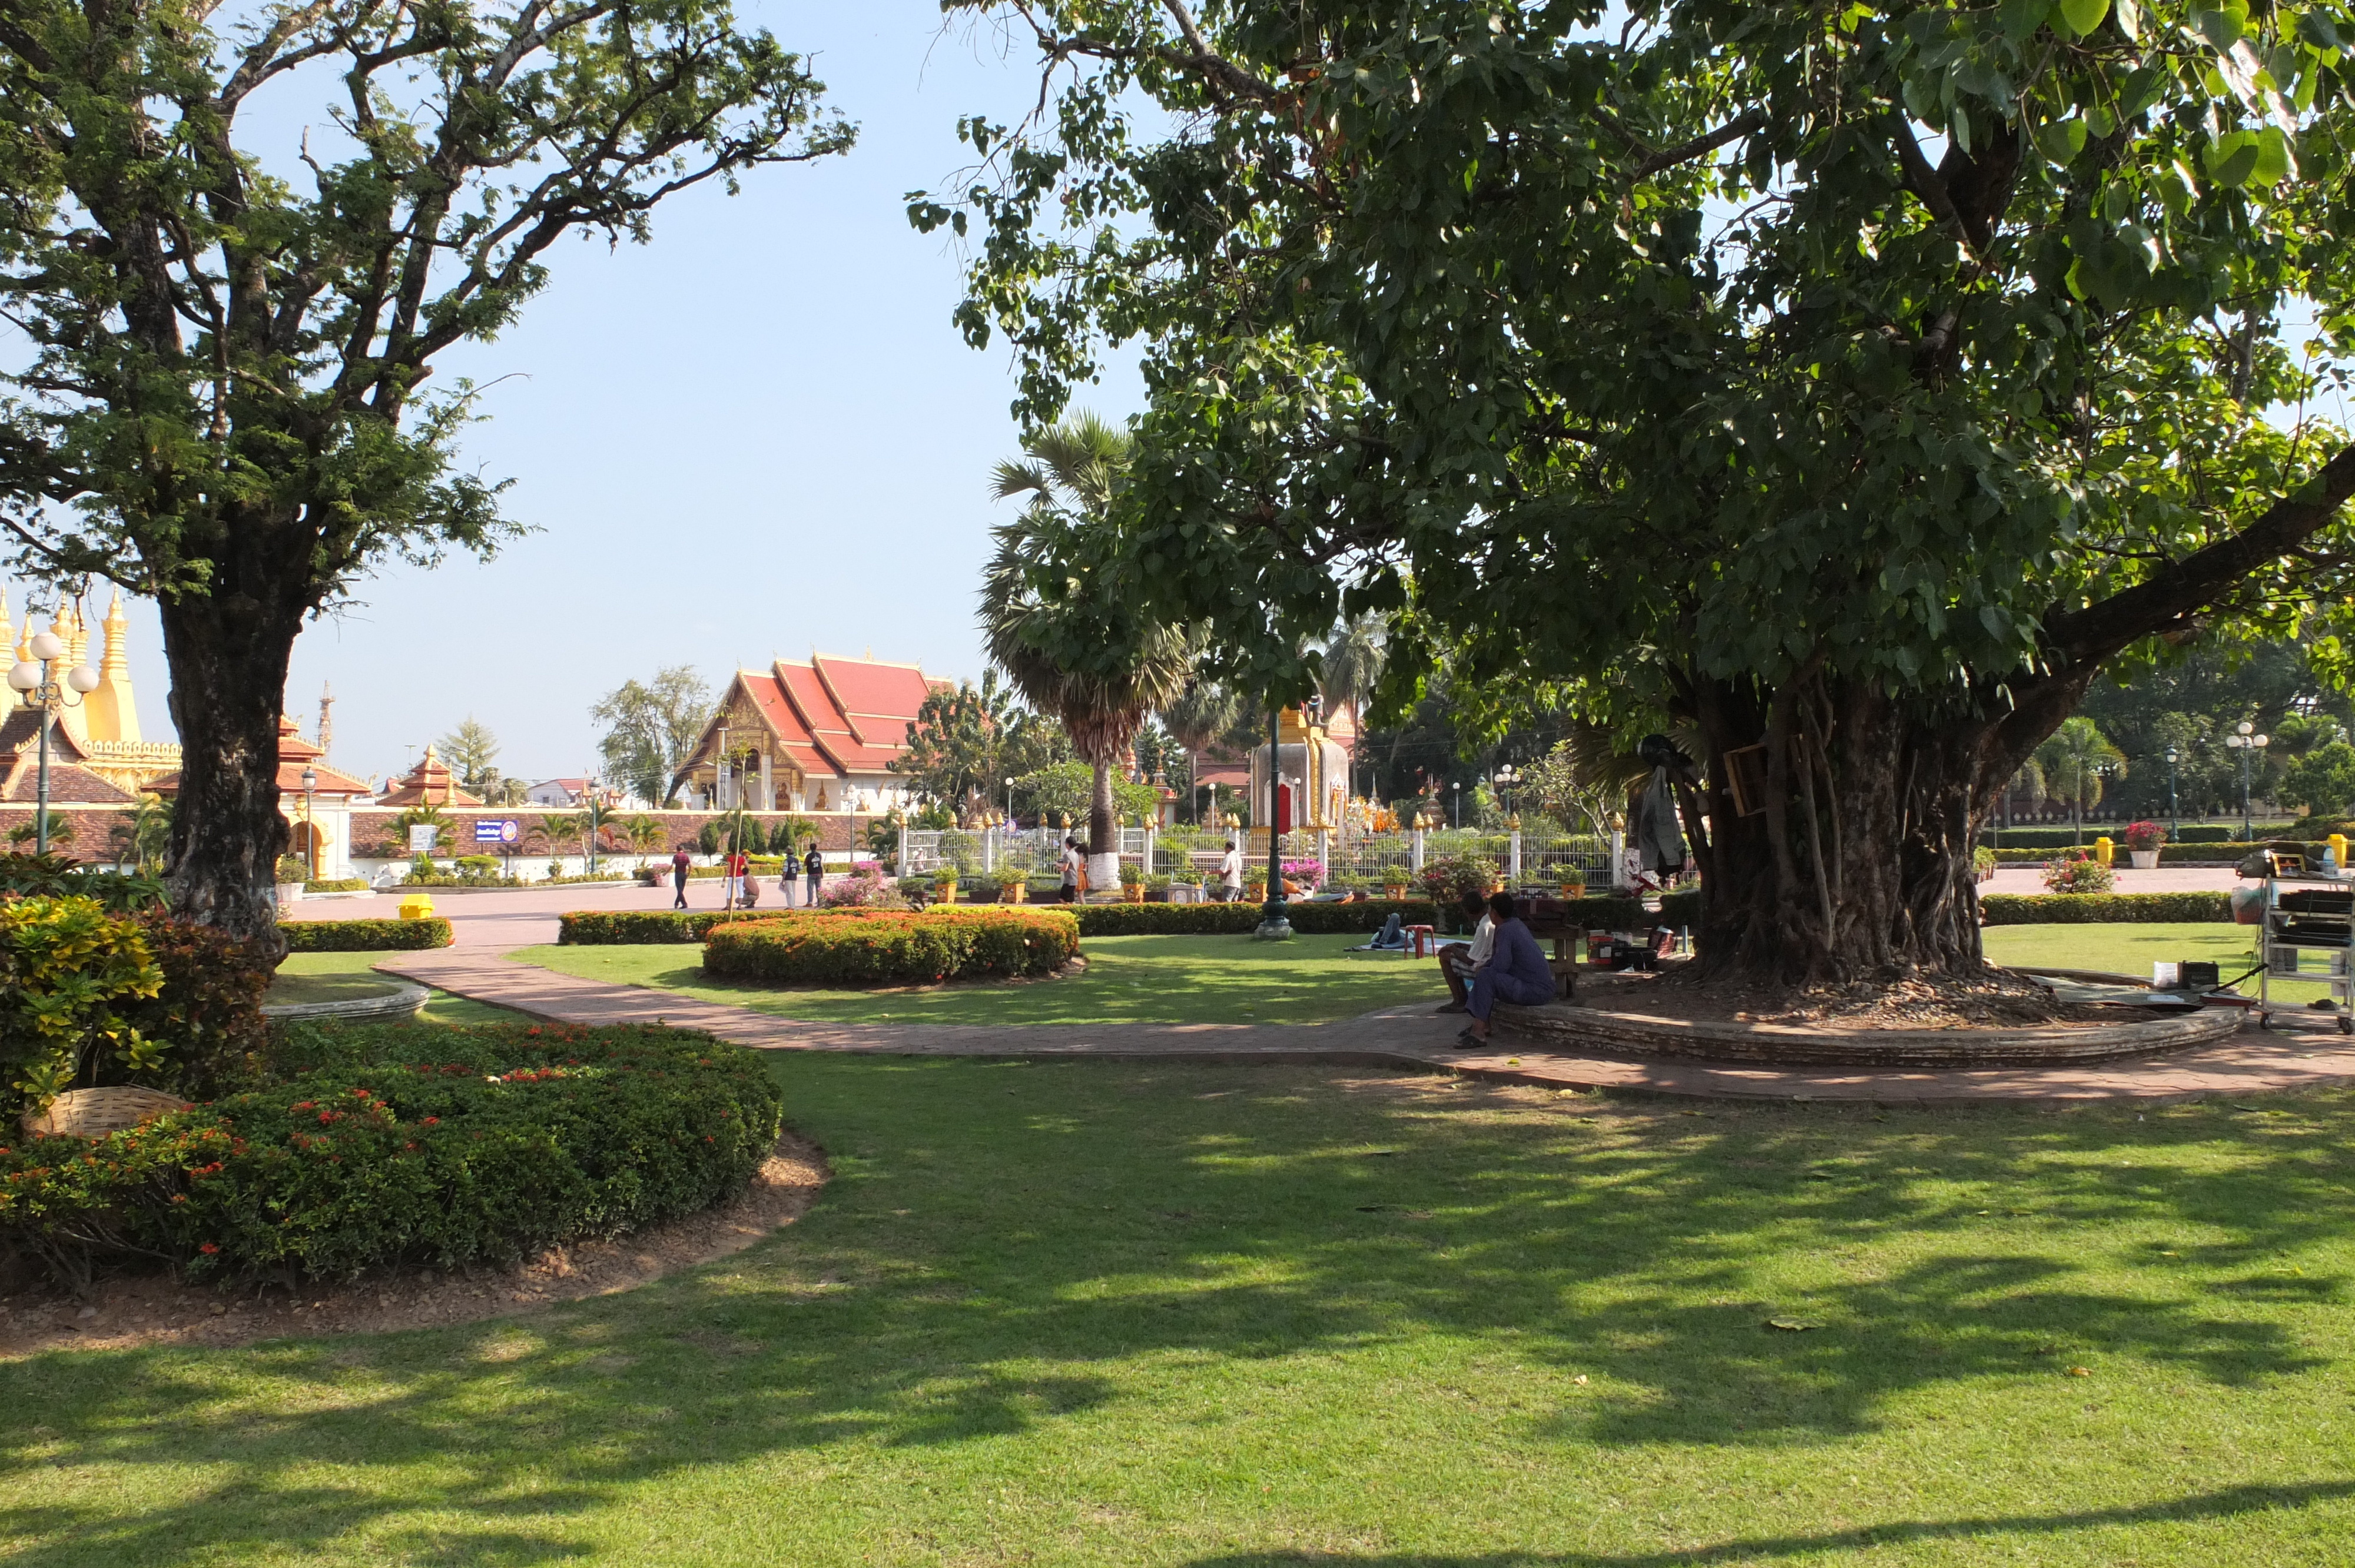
(110, 710)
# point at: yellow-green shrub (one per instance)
(69, 971)
(863, 947)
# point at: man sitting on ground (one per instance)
(1516, 972)
(1458, 961)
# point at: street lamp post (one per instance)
(2243, 740)
(2174, 808)
(1275, 920)
(1458, 787)
(310, 830)
(41, 691)
(589, 789)
(1506, 778)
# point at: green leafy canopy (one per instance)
(1953, 350)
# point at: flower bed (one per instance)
(892, 947)
(364, 936)
(394, 1144)
(632, 928)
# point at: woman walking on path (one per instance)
(679, 862)
(1515, 971)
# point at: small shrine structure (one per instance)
(1302, 781)
(429, 783)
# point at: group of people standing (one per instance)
(740, 889)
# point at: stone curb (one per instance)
(401, 1002)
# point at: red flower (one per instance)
(208, 1249)
(433, 1121)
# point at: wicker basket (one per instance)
(94, 1113)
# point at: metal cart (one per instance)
(2309, 932)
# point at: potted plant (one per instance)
(1013, 889)
(292, 872)
(1983, 861)
(1131, 882)
(1573, 884)
(944, 885)
(2143, 842)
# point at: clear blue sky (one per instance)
(756, 435)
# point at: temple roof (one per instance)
(294, 753)
(70, 783)
(830, 717)
(429, 783)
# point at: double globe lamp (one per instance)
(31, 678)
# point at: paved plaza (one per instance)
(2304, 1055)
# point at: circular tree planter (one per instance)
(392, 1005)
(1590, 1029)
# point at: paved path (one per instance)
(2157, 879)
(508, 918)
(2249, 1062)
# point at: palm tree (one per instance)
(1353, 661)
(1200, 717)
(646, 835)
(1052, 625)
(2076, 761)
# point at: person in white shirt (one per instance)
(1231, 872)
(1459, 961)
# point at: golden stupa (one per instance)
(105, 723)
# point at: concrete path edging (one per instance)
(1409, 1037)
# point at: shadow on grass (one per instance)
(1995, 1531)
(1172, 980)
(1004, 1242)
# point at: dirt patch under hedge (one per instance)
(132, 1311)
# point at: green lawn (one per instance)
(332, 976)
(2127, 948)
(1129, 980)
(1086, 1313)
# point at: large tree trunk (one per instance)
(228, 655)
(1856, 865)
(1104, 840)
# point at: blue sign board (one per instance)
(494, 832)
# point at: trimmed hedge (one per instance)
(365, 935)
(2169, 854)
(1234, 920)
(892, 947)
(2102, 908)
(2202, 835)
(401, 1145)
(632, 928)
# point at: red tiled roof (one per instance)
(832, 716)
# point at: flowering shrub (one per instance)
(400, 1144)
(885, 948)
(2078, 872)
(2144, 835)
(862, 889)
(1447, 878)
(1307, 873)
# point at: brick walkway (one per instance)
(2250, 1063)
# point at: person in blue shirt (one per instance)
(1516, 971)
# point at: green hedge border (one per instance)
(365, 935)
(892, 947)
(2104, 908)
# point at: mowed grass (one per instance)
(2130, 949)
(1089, 1313)
(338, 977)
(1129, 980)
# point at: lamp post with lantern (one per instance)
(2174, 808)
(2246, 741)
(40, 688)
(310, 828)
